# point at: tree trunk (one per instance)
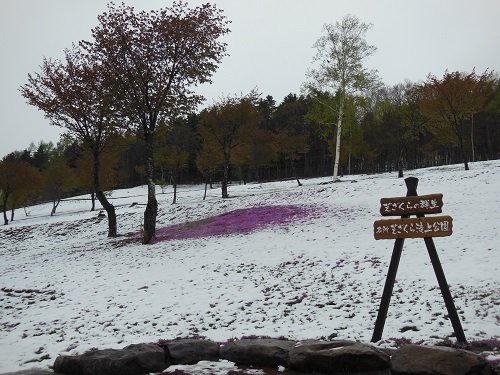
(466, 164)
(489, 142)
(110, 209)
(458, 128)
(174, 184)
(205, 194)
(4, 208)
(225, 176)
(12, 215)
(464, 156)
(152, 205)
(224, 188)
(337, 145)
(294, 171)
(92, 198)
(472, 137)
(400, 164)
(349, 164)
(163, 182)
(55, 203)
(150, 214)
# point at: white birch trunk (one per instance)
(337, 144)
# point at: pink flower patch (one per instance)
(239, 221)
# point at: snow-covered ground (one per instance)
(65, 287)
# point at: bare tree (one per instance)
(339, 66)
(153, 60)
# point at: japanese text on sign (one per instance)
(438, 226)
(424, 204)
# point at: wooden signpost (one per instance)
(419, 227)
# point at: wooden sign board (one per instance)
(422, 204)
(420, 227)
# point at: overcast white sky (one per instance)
(270, 45)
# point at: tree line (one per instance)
(126, 103)
(273, 142)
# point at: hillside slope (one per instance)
(303, 265)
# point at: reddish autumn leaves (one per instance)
(450, 104)
(140, 68)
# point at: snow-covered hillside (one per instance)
(313, 271)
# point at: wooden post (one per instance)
(445, 291)
(389, 286)
(411, 185)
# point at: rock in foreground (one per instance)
(421, 360)
(337, 357)
(132, 360)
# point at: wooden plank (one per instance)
(422, 204)
(420, 227)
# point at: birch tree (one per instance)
(338, 66)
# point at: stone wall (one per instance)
(310, 356)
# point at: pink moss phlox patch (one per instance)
(239, 221)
